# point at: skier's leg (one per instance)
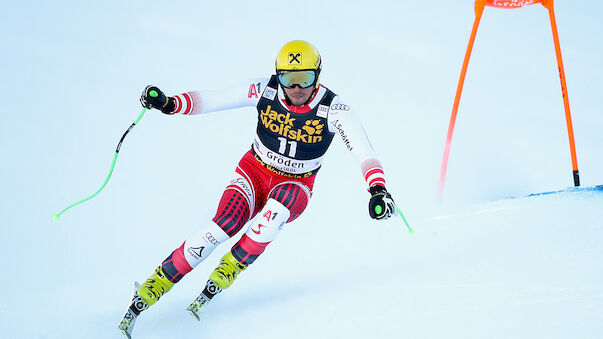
(193, 251)
(285, 203)
(181, 261)
(233, 212)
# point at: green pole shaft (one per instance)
(410, 229)
(58, 215)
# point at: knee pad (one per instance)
(293, 195)
(262, 230)
(268, 222)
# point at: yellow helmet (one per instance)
(298, 55)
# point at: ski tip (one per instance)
(126, 334)
(194, 314)
(55, 217)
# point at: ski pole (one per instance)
(410, 229)
(56, 216)
(379, 210)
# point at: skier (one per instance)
(272, 184)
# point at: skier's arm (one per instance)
(343, 122)
(201, 102)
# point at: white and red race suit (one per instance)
(276, 176)
(291, 139)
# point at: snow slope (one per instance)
(515, 268)
(486, 261)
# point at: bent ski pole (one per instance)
(58, 215)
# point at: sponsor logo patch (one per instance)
(242, 183)
(283, 162)
(512, 3)
(295, 58)
(259, 229)
(269, 93)
(210, 238)
(344, 136)
(340, 107)
(253, 90)
(283, 124)
(323, 110)
(196, 252)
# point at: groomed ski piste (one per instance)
(510, 250)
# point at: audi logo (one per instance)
(211, 238)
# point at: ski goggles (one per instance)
(303, 79)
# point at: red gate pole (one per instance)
(479, 9)
(549, 4)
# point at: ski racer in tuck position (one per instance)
(272, 184)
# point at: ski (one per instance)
(136, 306)
(200, 304)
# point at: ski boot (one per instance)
(144, 296)
(156, 286)
(227, 271)
(222, 277)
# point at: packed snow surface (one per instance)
(487, 260)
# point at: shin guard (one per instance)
(193, 251)
(262, 230)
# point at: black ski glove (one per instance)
(153, 97)
(381, 205)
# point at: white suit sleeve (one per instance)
(346, 125)
(201, 102)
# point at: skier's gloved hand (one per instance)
(381, 205)
(153, 97)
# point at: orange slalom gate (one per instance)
(510, 4)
